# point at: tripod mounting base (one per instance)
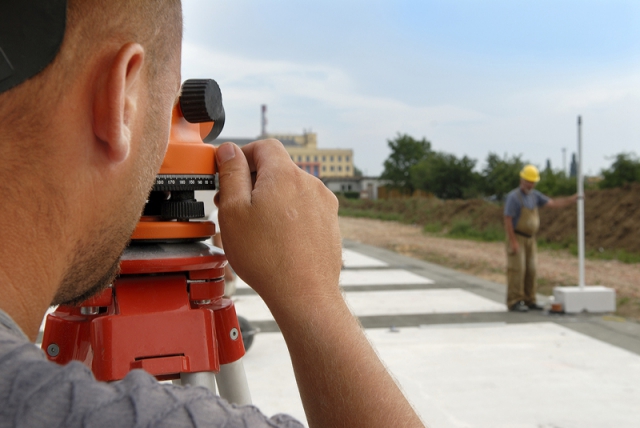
(164, 314)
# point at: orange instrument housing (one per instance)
(165, 313)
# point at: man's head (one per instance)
(82, 140)
(529, 177)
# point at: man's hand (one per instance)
(513, 246)
(280, 224)
(562, 202)
(281, 236)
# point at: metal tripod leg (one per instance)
(206, 379)
(231, 381)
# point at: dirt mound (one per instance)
(611, 220)
(611, 216)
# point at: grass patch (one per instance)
(593, 254)
(377, 215)
(432, 227)
(464, 229)
(620, 255)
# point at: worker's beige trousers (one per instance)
(521, 271)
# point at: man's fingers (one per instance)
(234, 175)
(266, 154)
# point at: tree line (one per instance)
(414, 165)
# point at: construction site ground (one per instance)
(487, 260)
(459, 356)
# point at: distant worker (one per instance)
(521, 223)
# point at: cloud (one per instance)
(533, 114)
(329, 97)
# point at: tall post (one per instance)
(580, 208)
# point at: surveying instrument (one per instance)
(165, 312)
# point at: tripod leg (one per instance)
(232, 383)
(206, 379)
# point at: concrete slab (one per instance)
(419, 302)
(381, 277)
(525, 375)
(386, 302)
(513, 375)
(371, 277)
(353, 259)
(270, 377)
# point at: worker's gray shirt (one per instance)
(35, 392)
(516, 199)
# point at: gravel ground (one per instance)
(487, 259)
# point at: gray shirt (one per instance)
(35, 392)
(516, 199)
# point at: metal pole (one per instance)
(580, 208)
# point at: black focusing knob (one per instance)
(201, 101)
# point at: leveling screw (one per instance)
(234, 333)
(53, 350)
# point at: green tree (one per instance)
(357, 172)
(405, 153)
(625, 169)
(446, 176)
(556, 183)
(501, 175)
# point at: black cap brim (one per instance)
(31, 32)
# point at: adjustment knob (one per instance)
(182, 210)
(201, 101)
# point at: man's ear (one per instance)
(116, 100)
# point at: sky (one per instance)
(472, 77)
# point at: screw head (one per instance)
(53, 350)
(234, 334)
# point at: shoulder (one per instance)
(541, 198)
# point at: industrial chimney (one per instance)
(263, 133)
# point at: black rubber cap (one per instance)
(201, 101)
(31, 32)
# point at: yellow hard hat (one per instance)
(530, 173)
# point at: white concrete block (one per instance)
(352, 259)
(592, 298)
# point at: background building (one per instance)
(366, 187)
(304, 151)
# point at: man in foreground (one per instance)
(521, 223)
(80, 143)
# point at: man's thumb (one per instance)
(234, 176)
